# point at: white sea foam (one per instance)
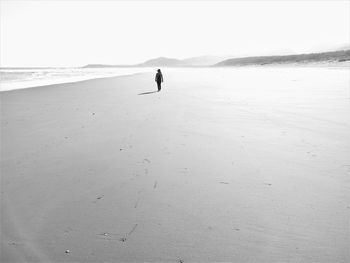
(11, 79)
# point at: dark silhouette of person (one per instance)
(159, 79)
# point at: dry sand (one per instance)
(223, 165)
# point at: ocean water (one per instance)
(28, 77)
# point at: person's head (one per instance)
(158, 70)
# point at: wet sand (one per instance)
(223, 165)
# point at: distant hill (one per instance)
(188, 62)
(163, 62)
(106, 66)
(170, 62)
(334, 56)
(205, 60)
(221, 61)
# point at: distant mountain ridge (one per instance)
(107, 66)
(199, 61)
(207, 60)
(333, 56)
(163, 61)
(223, 61)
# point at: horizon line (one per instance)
(141, 64)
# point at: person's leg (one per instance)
(159, 85)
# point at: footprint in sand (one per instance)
(98, 198)
(123, 239)
(137, 202)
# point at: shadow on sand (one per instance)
(149, 92)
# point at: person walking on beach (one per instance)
(159, 79)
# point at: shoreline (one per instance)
(57, 82)
(70, 82)
(287, 65)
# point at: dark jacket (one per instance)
(159, 77)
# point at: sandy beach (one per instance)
(222, 165)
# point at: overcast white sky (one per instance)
(75, 33)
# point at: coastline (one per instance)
(6, 86)
(45, 77)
